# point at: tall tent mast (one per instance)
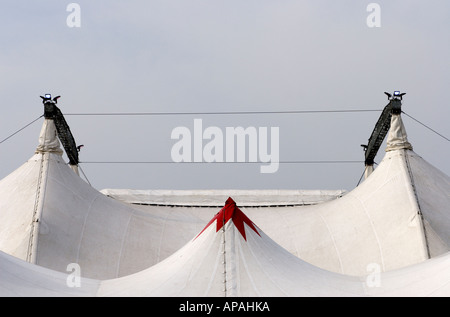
(51, 111)
(381, 128)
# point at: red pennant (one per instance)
(231, 211)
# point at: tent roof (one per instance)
(396, 220)
(220, 261)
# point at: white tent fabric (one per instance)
(48, 140)
(230, 257)
(233, 257)
(397, 138)
(395, 221)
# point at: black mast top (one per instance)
(382, 126)
(51, 111)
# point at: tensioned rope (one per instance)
(217, 113)
(427, 126)
(244, 113)
(234, 162)
(224, 113)
(27, 125)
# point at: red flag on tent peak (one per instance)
(231, 211)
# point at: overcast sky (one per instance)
(217, 56)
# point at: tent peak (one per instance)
(48, 139)
(397, 137)
(231, 211)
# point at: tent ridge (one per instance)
(37, 210)
(398, 140)
(48, 145)
(416, 198)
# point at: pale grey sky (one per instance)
(215, 56)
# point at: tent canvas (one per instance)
(397, 220)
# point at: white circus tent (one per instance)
(397, 217)
(397, 221)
